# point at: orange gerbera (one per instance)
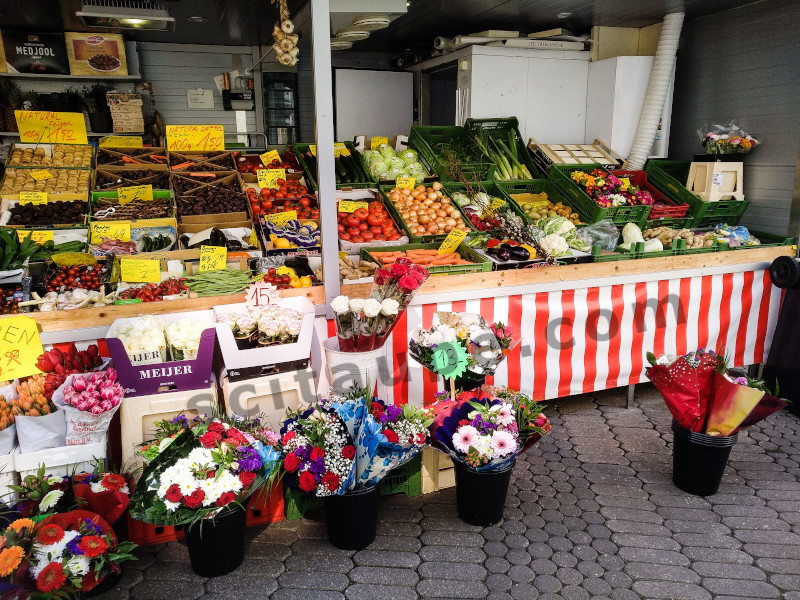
(23, 524)
(10, 559)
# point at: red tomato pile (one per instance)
(291, 195)
(367, 225)
(279, 281)
(78, 276)
(153, 292)
(277, 164)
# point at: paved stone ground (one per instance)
(591, 514)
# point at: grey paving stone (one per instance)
(645, 541)
(718, 555)
(452, 538)
(313, 546)
(543, 566)
(539, 550)
(729, 571)
(705, 527)
(235, 585)
(522, 574)
(661, 572)
(446, 524)
(785, 566)
(299, 562)
(400, 542)
(625, 502)
(496, 564)
(569, 576)
(399, 528)
(560, 544)
(738, 587)
(596, 586)
(493, 534)
(167, 590)
(313, 580)
(671, 590)
(499, 582)
(444, 570)
(172, 572)
(624, 594)
(384, 576)
(518, 557)
(386, 558)
(524, 591)
(547, 583)
(573, 592)
(771, 550)
(704, 540)
(298, 594)
(362, 591)
(469, 555)
(617, 579)
(589, 568)
(649, 555)
(787, 582)
(641, 516)
(638, 527)
(604, 546)
(447, 588)
(495, 548)
(564, 559)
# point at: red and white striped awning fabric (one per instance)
(581, 340)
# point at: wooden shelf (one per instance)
(88, 133)
(73, 77)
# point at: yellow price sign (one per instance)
(33, 198)
(41, 175)
(135, 192)
(40, 237)
(268, 178)
(452, 241)
(282, 218)
(268, 157)
(313, 149)
(405, 183)
(115, 230)
(253, 241)
(339, 149)
(140, 270)
(350, 206)
(121, 141)
(195, 138)
(213, 258)
(497, 203)
(377, 141)
(20, 347)
(69, 259)
(44, 127)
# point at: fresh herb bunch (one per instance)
(15, 253)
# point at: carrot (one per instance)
(377, 254)
(423, 252)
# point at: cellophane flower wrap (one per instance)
(394, 288)
(204, 469)
(702, 396)
(318, 452)
(488, 431)
(726, 138)
(73, 552)
(345, 321)
(385, 436)
(104, 493)
(183, 339)
(486, 345)
(89, 402)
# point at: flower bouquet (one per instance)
(89, 402)
(608, 190)
(62, 555)
(143, 339)
(104, 493)
(183, 339)
(484, 434)
(264, 326)
(41, 494)
(726, 139)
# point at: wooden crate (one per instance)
(138, 414)
(269, 395)
(438, 472)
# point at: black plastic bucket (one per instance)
(481, 495)
(699, 460)
(468, 381)
(353, 518)
(216, 547)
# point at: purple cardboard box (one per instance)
(173, 376)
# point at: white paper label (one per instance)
(716, 179)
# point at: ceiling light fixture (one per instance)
(352, 35)
(197, 19)
(371, 22)
(564, 15)
(126, 14)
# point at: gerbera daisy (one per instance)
(464, 438)
(92, 545)
(505, 414)
(51, 578)
(112, 481)
(10, 559)
(503, 443)
(50, 534)
(23, 524)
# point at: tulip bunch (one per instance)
(59, 365)
(95, 393)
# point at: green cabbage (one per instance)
(386, 151)
(377, 168)
(408, 156)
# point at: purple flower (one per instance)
(180, 420)
(73, 548)
(303, 452)
(383, 418)
(249, 459)
(394, 412)
(317, 468)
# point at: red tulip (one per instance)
(44, 364)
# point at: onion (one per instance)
(405, 215)
(436, 185)
(449, 209)
(432, 196)
(441, 213)
(450, 222)
(448, 228)
(424, 219)
(436, 205)
(433, 228)
(420, 189)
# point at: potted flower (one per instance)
(199, 480)
(484, 433)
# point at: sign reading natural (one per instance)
(44, 127)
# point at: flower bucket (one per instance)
(353, 518)
(468, 381)
(481, 495)
(347, 368)
(699, 460)
(216, 546)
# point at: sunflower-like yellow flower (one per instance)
(22, 524)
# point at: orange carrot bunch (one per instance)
(424, 258)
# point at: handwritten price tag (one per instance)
(377, 141)
(69, 259)
(115, 230)
(33, 198)
(195, 138)
(268, 157)
(350, 206)
(313, 149)
(20, 347)
(141, 270)
(51, 127)
(135, 192)
(40, 237)
(497, 203)
(268, 178)
(339, 149)
(41, 175)
(405, 183)
(121, 141)
(213, 258)
(452, 241)
(282, 218)
(261, 294)
(450, 360)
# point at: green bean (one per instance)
(219, 283)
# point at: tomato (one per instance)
(353, 221)
(375, 219)
(376, 230)
(367, 236)
(342, 215)
(361, 213)
(353, 231)
(305, 201)
(357, 240)
(266, 204)
(393, 238)
(280, 195)
(363, 226)
(340, 228)
(388, 229)
(344, 236)
(281, 182)
(375, 205)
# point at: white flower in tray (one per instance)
(184, 339)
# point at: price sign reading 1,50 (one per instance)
(195, 138)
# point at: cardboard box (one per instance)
(242, 359)
(39, 53)
(9, 201)
(96, 54)
(42, 157)
(173, 376)
(270, 396)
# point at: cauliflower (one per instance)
(554, 245)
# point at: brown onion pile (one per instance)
(427, 211)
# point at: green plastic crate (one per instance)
(414, 238)
(535, 186)
(493, 190)
(427, 141)
(482, 265)
(598, 256)
(506, 130)
(682, 223)
(636, 251)
(405, 479)
(559, 176)
(670, 176)
(311, 175)
(768, 240)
